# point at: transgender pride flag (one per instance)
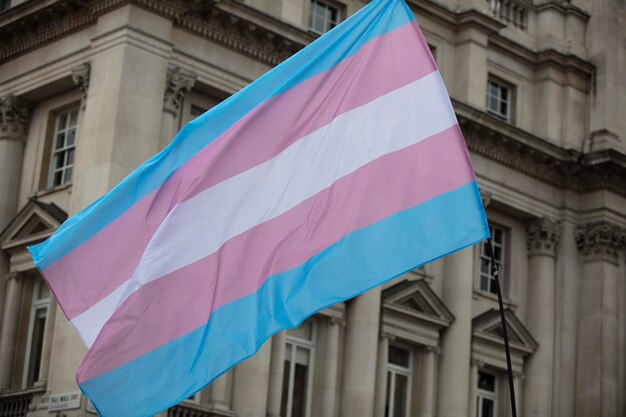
(336, 171)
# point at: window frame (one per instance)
(327, 6)
(392, 371)
(482, 394)
(36, 305)
(510, 100)
(485, 259)
(297, 342)
(52, 152)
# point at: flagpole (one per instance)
(496, 273)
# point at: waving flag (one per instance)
(336, 171)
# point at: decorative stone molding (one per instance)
(543, 237)
(389, 336)
(336, 321)
(13, 276)
(485, 197)
(80, 76)
(208, 19)
(178, 83)
(536, 157)
(14, 116)
(479, 364)
(602, 241)
(433, 349)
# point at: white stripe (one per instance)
(199, 226)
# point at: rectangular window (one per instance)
(4, 4)
(399, 365)
(498, 238)
(63, 147)
(487, 401)
(323, 16)
(298, 374)
(36, 328)
(499, 99)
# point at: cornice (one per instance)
(221, 22)
(563, 168)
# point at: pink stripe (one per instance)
(108, 259)
(182, 301)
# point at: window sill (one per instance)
(52, 190)
(493, 297)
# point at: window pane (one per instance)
(36, 347)
(43, 292)
(73, 118)
(497, 235)
(285, 395)
(488, 408)
(68, 175)
(388, 396)
(399, 356)
(71, 137)
(400, 396)
(484, 283)
(300, 390)
(60, 141)
(486, 382)
(62, 121)
(70, 157)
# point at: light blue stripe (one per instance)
(358, 262)
(345, 40)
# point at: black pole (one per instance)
(496, 273)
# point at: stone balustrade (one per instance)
(510, 12)
(17, 403)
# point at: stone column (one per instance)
(542, 240)
(277, 373)
(178, 83)
(331, 366)
(476, 365)
(601, 245)
(518, 379)
(217, 395)
(454, 365)
(8, 332)
(381, 374)
(251, 379)
(46, 351)
(427, 387)
(359, 377)
(14, 116)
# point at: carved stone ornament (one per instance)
(80, 76)
(178, 84)
(13, 275)
(14, 114)
(601, 241)
(543, 237)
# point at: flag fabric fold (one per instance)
(336, 171)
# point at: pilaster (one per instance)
(177, 84)
(8, 331)
(381, 373)
(427, 388)
(14, 119)
(80, 76)
(277, 371)
(601, 245)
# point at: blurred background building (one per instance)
(89, 89)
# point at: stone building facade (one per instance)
(90, 89)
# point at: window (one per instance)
(486, 403)
(399, 364)
(297, 379)
(63, 147)
(323, 16)
(487, 282)
(36, 328)
(4, 4)
(499, 99)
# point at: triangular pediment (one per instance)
(416, 298)
(487, 326)
(35, 222)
